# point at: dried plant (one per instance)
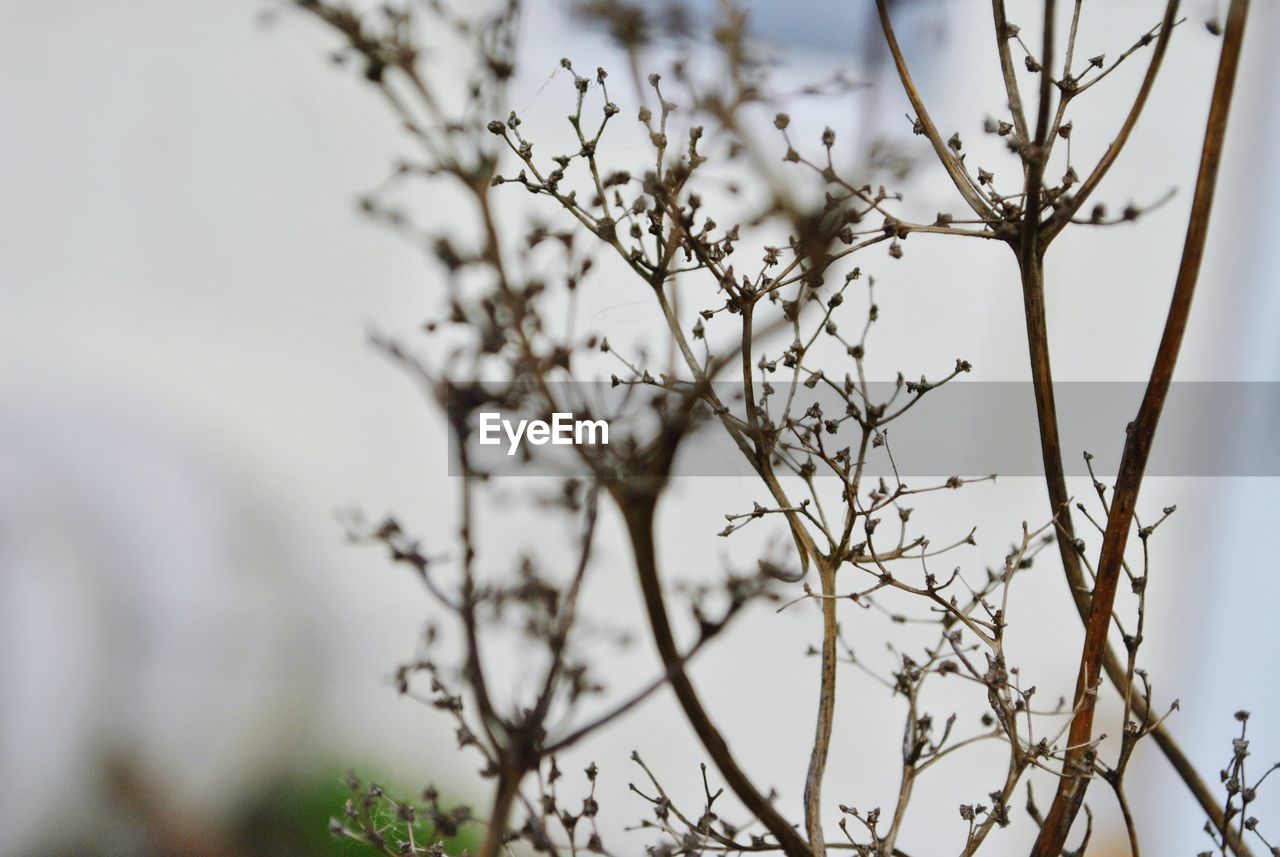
(767, 236)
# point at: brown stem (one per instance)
(1031, 263)
(1032, 272)
(1059, 501)
(827, 575)
(826, 712)
(638, 509)
(1141, 433)
(495, 833)
(1037, 154)
(1007, 69)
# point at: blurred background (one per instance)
(191, 654)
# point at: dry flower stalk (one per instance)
(785, 271)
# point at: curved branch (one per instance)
(638, 508)
(959, 177)
(1070, 206)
